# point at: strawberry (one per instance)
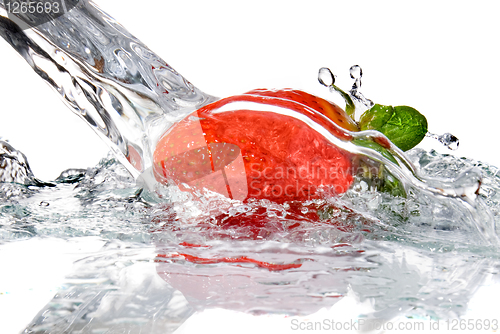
(255, 146)
(327, 108)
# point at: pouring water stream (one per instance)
(125, 92)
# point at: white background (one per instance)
(440, 57)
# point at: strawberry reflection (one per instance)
(258, 259)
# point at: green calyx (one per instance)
(404, 126)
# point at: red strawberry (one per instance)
(329, 109)
(253, 146)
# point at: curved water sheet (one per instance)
(165, 254)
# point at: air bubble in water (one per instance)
(447, 139)
(326, 77)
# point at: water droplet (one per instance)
(356, 72)
(362, 103)
(326, 77)
(447, 139)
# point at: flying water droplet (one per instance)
(362, 103)
(326, 77)
(356, 73)
(447, 139)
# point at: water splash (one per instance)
(14, 167)
(355, 101)
(412, 252)
(401, 168)
(327, 79)
(361, 101)
(447, 139)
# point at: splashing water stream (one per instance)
(166, 253)
(125, 92)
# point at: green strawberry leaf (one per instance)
(404, 126)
